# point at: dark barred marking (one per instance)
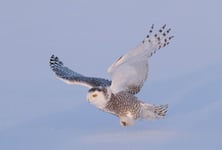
(133, 89)
(94, 89)
(163, 27)
(171, 37)
(122, 103)
(161, 110)
(67, 74)
(151, 29)
(168, 30)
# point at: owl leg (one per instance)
(126, 120)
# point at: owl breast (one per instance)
(122, 104)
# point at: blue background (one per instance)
(37, 111)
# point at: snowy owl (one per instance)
(128, 75)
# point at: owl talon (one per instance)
(123, 123)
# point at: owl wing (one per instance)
(131, 70)
(72, 77)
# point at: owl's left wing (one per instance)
(71, 77)
(131, 70)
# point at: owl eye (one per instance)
(94, 95)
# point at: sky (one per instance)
(37, 111)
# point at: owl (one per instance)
(128, 74)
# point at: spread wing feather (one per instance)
(130, 71)
(72, 77)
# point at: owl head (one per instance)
(99, 96)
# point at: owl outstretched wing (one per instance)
(72, 77)
(131, 70)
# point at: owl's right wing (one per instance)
(72, 77)
(130, 71)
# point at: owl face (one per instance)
(98, 96)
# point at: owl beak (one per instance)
(87, 98)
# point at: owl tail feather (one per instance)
(149, 111)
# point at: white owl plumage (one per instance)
(128, 74)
